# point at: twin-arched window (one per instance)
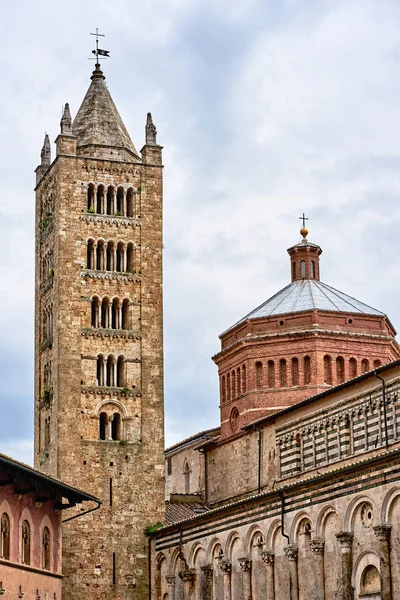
(110, 427)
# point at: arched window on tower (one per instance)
(110, 371)
(90, 197)
(303, 269)
(307, 370)
(5, 537)
(340, 369)
(223, 390)
(233, 380)
(131, 258)
(115, 314)
(110, 200)
(244, 379)
(103, 426)
(377, 363)
(120, 202)
(238, 382)
(101, 362)
(125, 314)
(110, 255)
(186, 476)
(116, 426)
(328, 369)
(46, 549)
(26, 543)
(91, 262)
(283, 372)
(352, 368)
(259, 375)
(130, 203)
(271, 374)
(228, 387)
(121, 379)
(100, 199)
(100, 252)
(312, 269)
(120, 257)
(293, 271)
(105, 313)
(364, 365)
(295, 371)
(95, 311)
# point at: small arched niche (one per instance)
(370, 584)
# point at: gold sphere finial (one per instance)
(304, 232)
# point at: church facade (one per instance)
(98, 341)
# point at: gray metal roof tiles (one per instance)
(309, 294)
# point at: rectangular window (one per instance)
(169, 466)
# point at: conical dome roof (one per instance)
(98, 125)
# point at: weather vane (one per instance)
(304, 219)
(99, 52)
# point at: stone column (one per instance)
(245, 565)
(346, 541)
(226, 568)
(317, 548)
(268, 558)
(291, 552)
(208, 584)
(188, 577)
(171, 580)
(382, 532)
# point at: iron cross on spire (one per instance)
(304, 219)
(99, 52)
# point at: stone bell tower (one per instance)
(98, 341)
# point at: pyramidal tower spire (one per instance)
(98, 126)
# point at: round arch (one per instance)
(294, 529)
(253, 532)
(348, 522)
(363, 560)
(324, 513)
(387, 504)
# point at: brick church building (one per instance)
(295, 494)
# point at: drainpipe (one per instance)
(384, 408)
(281, 496)
(86, 512)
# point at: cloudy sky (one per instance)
(265, 109)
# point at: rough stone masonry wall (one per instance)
(106, 551)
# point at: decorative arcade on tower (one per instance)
(98, 340)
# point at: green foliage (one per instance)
(46, 221)
(91, 210)
(118, 214)
(152, 529)
(123, 442)
(51, 272)
(47, 393)
(139, 188)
